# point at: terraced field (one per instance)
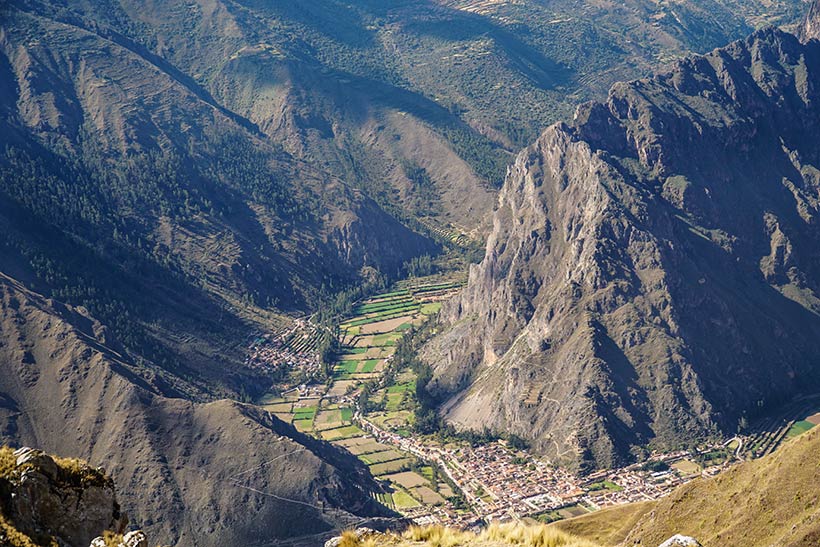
(368, 341)
(791, 420)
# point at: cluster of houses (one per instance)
(288, 349)
(500, 483)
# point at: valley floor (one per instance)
(367, 404)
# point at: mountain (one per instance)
(215, 473)
(176, 177)
(652, 272)
(770, 501)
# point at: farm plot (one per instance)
(403, 500)
(278, 408)
(328, 419)
(363, 445)
(386, 326)
(343, 432)
(406, 479)
(340, 387)
(389, 467)
(799, 428)
(380, 457)
(427, 495)
(686, 467)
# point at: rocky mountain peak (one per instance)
(649, 274)
(810, 28)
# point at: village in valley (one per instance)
(364, 402)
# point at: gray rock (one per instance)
(134, 539)
(39, 459)
(679, 540)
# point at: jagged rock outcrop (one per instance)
(61, 499)
(652, 273)
(810, 29)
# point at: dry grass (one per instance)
(11, 537)
(8, 463)
(495, 535)
(350, 539)
(540, 535)
(438, 536)
(78, 472)
(771, 501)
(609, 526)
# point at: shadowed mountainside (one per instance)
(219, 473)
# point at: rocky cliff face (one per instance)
(652, 271)
(810, 29)
(45, 499)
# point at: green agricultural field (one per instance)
(341, 433)
(384, 306)
(348, 366)
(402, 292)
(388, 338)
(386, 499)
(430, 308)
(427, 472)
(303, 425)
(389, 467)
(370, 365)
(403, 500)
(394, 401)
(799, 428)
(401, 388)
(605, 485)
(346, 414)
(353, 350)
(305, 413)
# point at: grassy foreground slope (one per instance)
(609, 526)
(495, 535)
(771, 501)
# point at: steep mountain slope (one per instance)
(771, 501)
(218, 473)
(114, 159)
(373, 92)
(652, 272)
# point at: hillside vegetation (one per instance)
(771, 501)
(495, 535)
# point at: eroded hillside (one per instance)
(219, 473)
(651, 275)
